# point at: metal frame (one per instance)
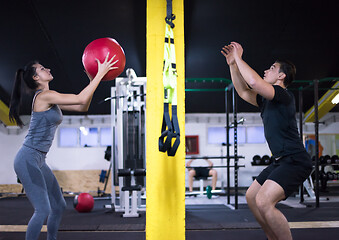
(235, 157)
(126, 97)
(316, 130)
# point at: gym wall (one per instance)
(198, 124)
(78, 169)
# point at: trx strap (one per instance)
(169, 17)
(170, 127)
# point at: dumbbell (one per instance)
(321, 160)
(266, 160)
(335, 159)
(256, 160)
(327, 159)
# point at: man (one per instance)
(292, 163)
(201, 172)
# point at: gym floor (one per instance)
(205, 218)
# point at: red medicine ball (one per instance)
(98, 49)
(83, 202)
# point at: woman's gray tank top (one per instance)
(42, 127)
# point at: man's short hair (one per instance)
(289, 69)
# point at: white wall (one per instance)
(9, 145)
(58, 158)
(93, 158)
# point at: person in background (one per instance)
(195, 172)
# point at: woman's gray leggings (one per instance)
(42, 190)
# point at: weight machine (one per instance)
(128, 116)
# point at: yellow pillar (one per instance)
(165, 180)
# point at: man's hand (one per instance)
(228, 53)
(237, 50)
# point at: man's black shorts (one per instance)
(201, 172)
(289, 172)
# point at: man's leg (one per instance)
(214, 175)
(251, 195)
(267, 197)
(191, 174)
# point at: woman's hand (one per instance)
(106, 66)
(89, 76)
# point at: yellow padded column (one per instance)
(324, 104)
(165, 180)
(4, 114)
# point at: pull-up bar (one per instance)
(215, 157)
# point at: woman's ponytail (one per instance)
(25, 75)
(14, 106)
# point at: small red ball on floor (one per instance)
(83, 202)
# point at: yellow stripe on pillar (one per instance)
(4, 114)
(165, 180)
(324, 104)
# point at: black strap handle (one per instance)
(172, 131)
(176, 132)
(164, 145)
(169, 17)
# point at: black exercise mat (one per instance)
(234, 234)
(17, 211)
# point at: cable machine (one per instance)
(128, 116)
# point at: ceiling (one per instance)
(56, 33)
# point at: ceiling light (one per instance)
(83, 130)
(335, 100)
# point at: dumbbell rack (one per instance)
(265, 160)
(329, 176)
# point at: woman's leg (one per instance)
(56, 200)
(27, 169)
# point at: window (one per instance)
(68, 137)
(105, 137)
(241, 135)
(217, 135)
(84, 137)
(88, 137)
(255, 135)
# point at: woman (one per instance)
(41, 186)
